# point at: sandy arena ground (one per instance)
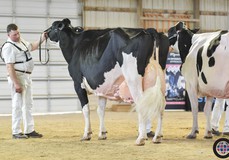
(62, 135)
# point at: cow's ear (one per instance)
(180, 26)
(195, 30)
(61, 26)
(66, 21)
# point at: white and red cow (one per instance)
(205, 68)
(116, 64)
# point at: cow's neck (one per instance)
(66, 45)
(184, 44)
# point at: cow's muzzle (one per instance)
(48, 30)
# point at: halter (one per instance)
(174, 36)
(47, 55)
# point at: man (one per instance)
(216, 116)
(19, 63)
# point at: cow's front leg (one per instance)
(194, 105)
(195, 128)
(207, 112)
(82, 94)
(87, 129)
(101, 113)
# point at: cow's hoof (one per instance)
(140, 142)
(85, 139)
(102, 138)
(157, 139)
(190, 136)
(208, 135)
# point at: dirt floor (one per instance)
(62, 135)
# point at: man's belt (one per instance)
(23, 71)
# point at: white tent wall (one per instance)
(52, 86)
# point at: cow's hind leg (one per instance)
(151, 104)
(87, 129)
(141, 131)
(134, 83)
(101, 113)
(158, 133)
(207, 111)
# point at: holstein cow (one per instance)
(115, 64)
(205, 68)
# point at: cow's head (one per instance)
(58, 26)
(180, 39)
(173, 34)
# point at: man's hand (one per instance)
(44, 36)
(36, 44)
(18, 88)
(13, 77)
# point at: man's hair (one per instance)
(11, 26)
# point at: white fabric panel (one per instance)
(38, 25)
(28, 7)
(63, 9)
(52, 86)
(5, 7)
(4, 88)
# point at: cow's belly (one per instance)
(215, 92)
(110, 88)
(217, 84)
(115, 87)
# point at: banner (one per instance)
(175, 83)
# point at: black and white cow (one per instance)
(115, 64)
(205, 68)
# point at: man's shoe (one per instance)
(216, 133)
(150, 134)
(19, 136)
(225, 133)
(34, 134)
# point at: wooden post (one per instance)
(83, 14)
(196, 12)
(139, 14)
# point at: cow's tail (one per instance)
(155, 37)
(152, 102)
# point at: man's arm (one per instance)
(12, 74)
(35, 44)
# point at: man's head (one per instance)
(13, 32)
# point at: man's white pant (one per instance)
(22, 105)
(217, 112)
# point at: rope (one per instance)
(47, 55)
